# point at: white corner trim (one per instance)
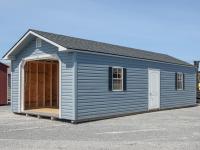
(20, 87)
(75, 85)
(60, 48)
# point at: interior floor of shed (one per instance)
(52, 112)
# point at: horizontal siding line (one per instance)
(178, 103)
(111, 96)
(119, 111)
(69, 109)
(191, 98)
(173, 96)
(102, 90)
(109, 105)
(114, 108)
(107, 101)
(114, 95)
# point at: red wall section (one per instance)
(3, 84)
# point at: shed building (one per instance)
(3, 84)
(78, 79)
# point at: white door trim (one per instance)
(149, 70)
(21, 78)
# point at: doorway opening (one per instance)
(41, 87)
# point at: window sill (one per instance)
(180, 89)
(117, 90)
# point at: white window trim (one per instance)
(179, 89)
(122, 79)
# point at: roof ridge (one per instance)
(85, 45)
(101, 42)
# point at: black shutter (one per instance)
(175, 81)
(124, 79)
(183, 81)
(110, 78)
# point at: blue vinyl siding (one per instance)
(67, 107)
(95, 100)
(14, 85)
(84, 84)
(177, 98)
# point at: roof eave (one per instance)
(4, 64)
(115, 55)
(8, 55)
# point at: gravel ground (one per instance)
(162, 130)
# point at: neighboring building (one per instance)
(196, 65)
(9, 83)
(198, 86)
(3, 84)
(78, 80)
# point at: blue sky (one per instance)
(171, 27)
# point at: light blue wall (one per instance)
(85, 93)
(67, 94)
(95, 100)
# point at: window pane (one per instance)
(114, 84)
(178, 76)
(114, 72)
(120, 84)
(180, 81)
(119, 73)
(178, 85)
(38, 43)
(117, 84)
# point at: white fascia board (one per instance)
(60, 48)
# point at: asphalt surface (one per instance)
(163, 130)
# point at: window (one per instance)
(180, 81)
(117, 79)
(38, 42)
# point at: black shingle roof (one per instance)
(99, 47)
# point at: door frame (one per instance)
(149, 70)
(21, 77)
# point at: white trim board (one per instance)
(21, 79)
(7, 56)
